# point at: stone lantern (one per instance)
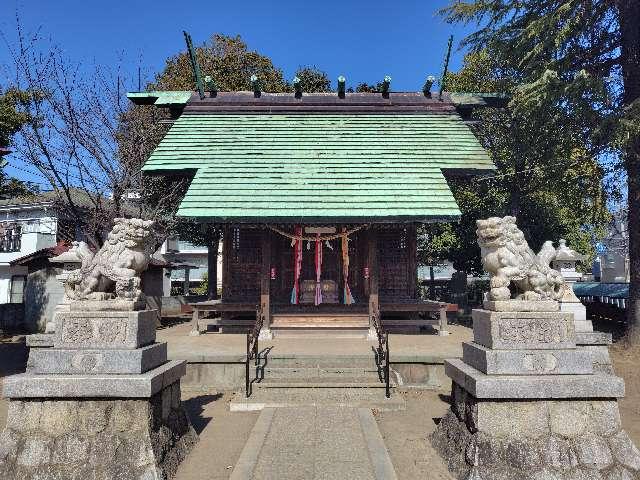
(68, 261)
(565, 262)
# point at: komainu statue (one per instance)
(506, 256)
(114, 271)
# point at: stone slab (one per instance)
(40, 340)
(378, 453)
(521, 305)
(483, 386)
(523, 330)
(527, 362)
(578, 309)
(105, 330)
(74, 361)
(117, 305)
(583, 325)
(593, 338)
(29, 385)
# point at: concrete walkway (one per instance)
(313, 443)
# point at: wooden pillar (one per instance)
(226, 252)
(186, 282)
(412, 274)
(265, 279)
(374, 305)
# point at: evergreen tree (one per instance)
(584, 55)
(11, 120)
(545, 175)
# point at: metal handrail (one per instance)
(252, 348)
(382, 350)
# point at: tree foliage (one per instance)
(230, 63)
(12, 118)
(545, 174)
(585, 56)
(312, 79)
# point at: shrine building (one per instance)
(319, 195)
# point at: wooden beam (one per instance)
(265, 278)
(226, 252)
(374, 302)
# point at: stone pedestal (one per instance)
(565, 262)
(68, 261)
(528, 403)
(102, 403)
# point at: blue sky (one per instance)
(363, 40)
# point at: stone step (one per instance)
(294, 397)
(320, 382)
(311, 331)
(323, 362)
(305, 372)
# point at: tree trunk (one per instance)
(212, 267)
(629, 15)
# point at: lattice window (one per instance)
(394, 262)
(245, 265)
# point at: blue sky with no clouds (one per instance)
(362, 40)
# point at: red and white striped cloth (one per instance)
(297, 266)
(318, 299)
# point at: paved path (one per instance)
(313, 443)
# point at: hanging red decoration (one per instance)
(297, 265)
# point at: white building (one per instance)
(194, 257)
(26, 225)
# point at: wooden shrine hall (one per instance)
(319, 195)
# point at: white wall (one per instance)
(38, 228)
(6, 272)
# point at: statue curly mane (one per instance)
(507, 257)
(116, 268)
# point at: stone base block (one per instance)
(579, 312)
(104, 330)
(521, 305)
(114, 304)
(535, 440)
(593, 338)
(99, 439)
(523, 330)
(68, 361)
(600, 357)
(40, 340)
(527, 362)
(485, 386)
(28, 385)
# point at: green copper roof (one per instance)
(317, 167)
(159, 99)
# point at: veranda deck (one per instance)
(243, 315)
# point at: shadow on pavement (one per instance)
(13, 358)
(195, 407)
